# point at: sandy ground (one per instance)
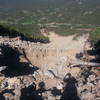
(69, 47)
(57, 51)
(67, 44)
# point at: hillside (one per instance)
(69, 11)
(47, 69)
(49, 49)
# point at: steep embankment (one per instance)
(51, 56)
(59, 48)
(53, 72)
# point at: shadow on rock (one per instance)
(11, 59)
(95, 52)
(11, 33)
(70, 90)
(41, 88)
(2, 97)
(30, 93)
(56, 92)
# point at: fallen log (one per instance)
(83, 63)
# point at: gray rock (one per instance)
(4, 84)
(51, 98)
(91, 78)
(17, 93)
(50, 75)
(2, 68)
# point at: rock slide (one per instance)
(54, 76)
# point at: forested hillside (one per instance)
(70, 11)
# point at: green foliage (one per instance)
(31, 31)
(70, 29)
(60, 11)
(95, 35)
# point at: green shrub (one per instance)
(95, 35)
(28, 32)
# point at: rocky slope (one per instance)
(45, 72)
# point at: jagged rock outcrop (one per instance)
(53, 77)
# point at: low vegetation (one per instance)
(95, 35)
(27, 32)
(32, 31)
(69, 29)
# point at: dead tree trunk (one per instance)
(83, 63)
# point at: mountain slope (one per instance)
(70, 11)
